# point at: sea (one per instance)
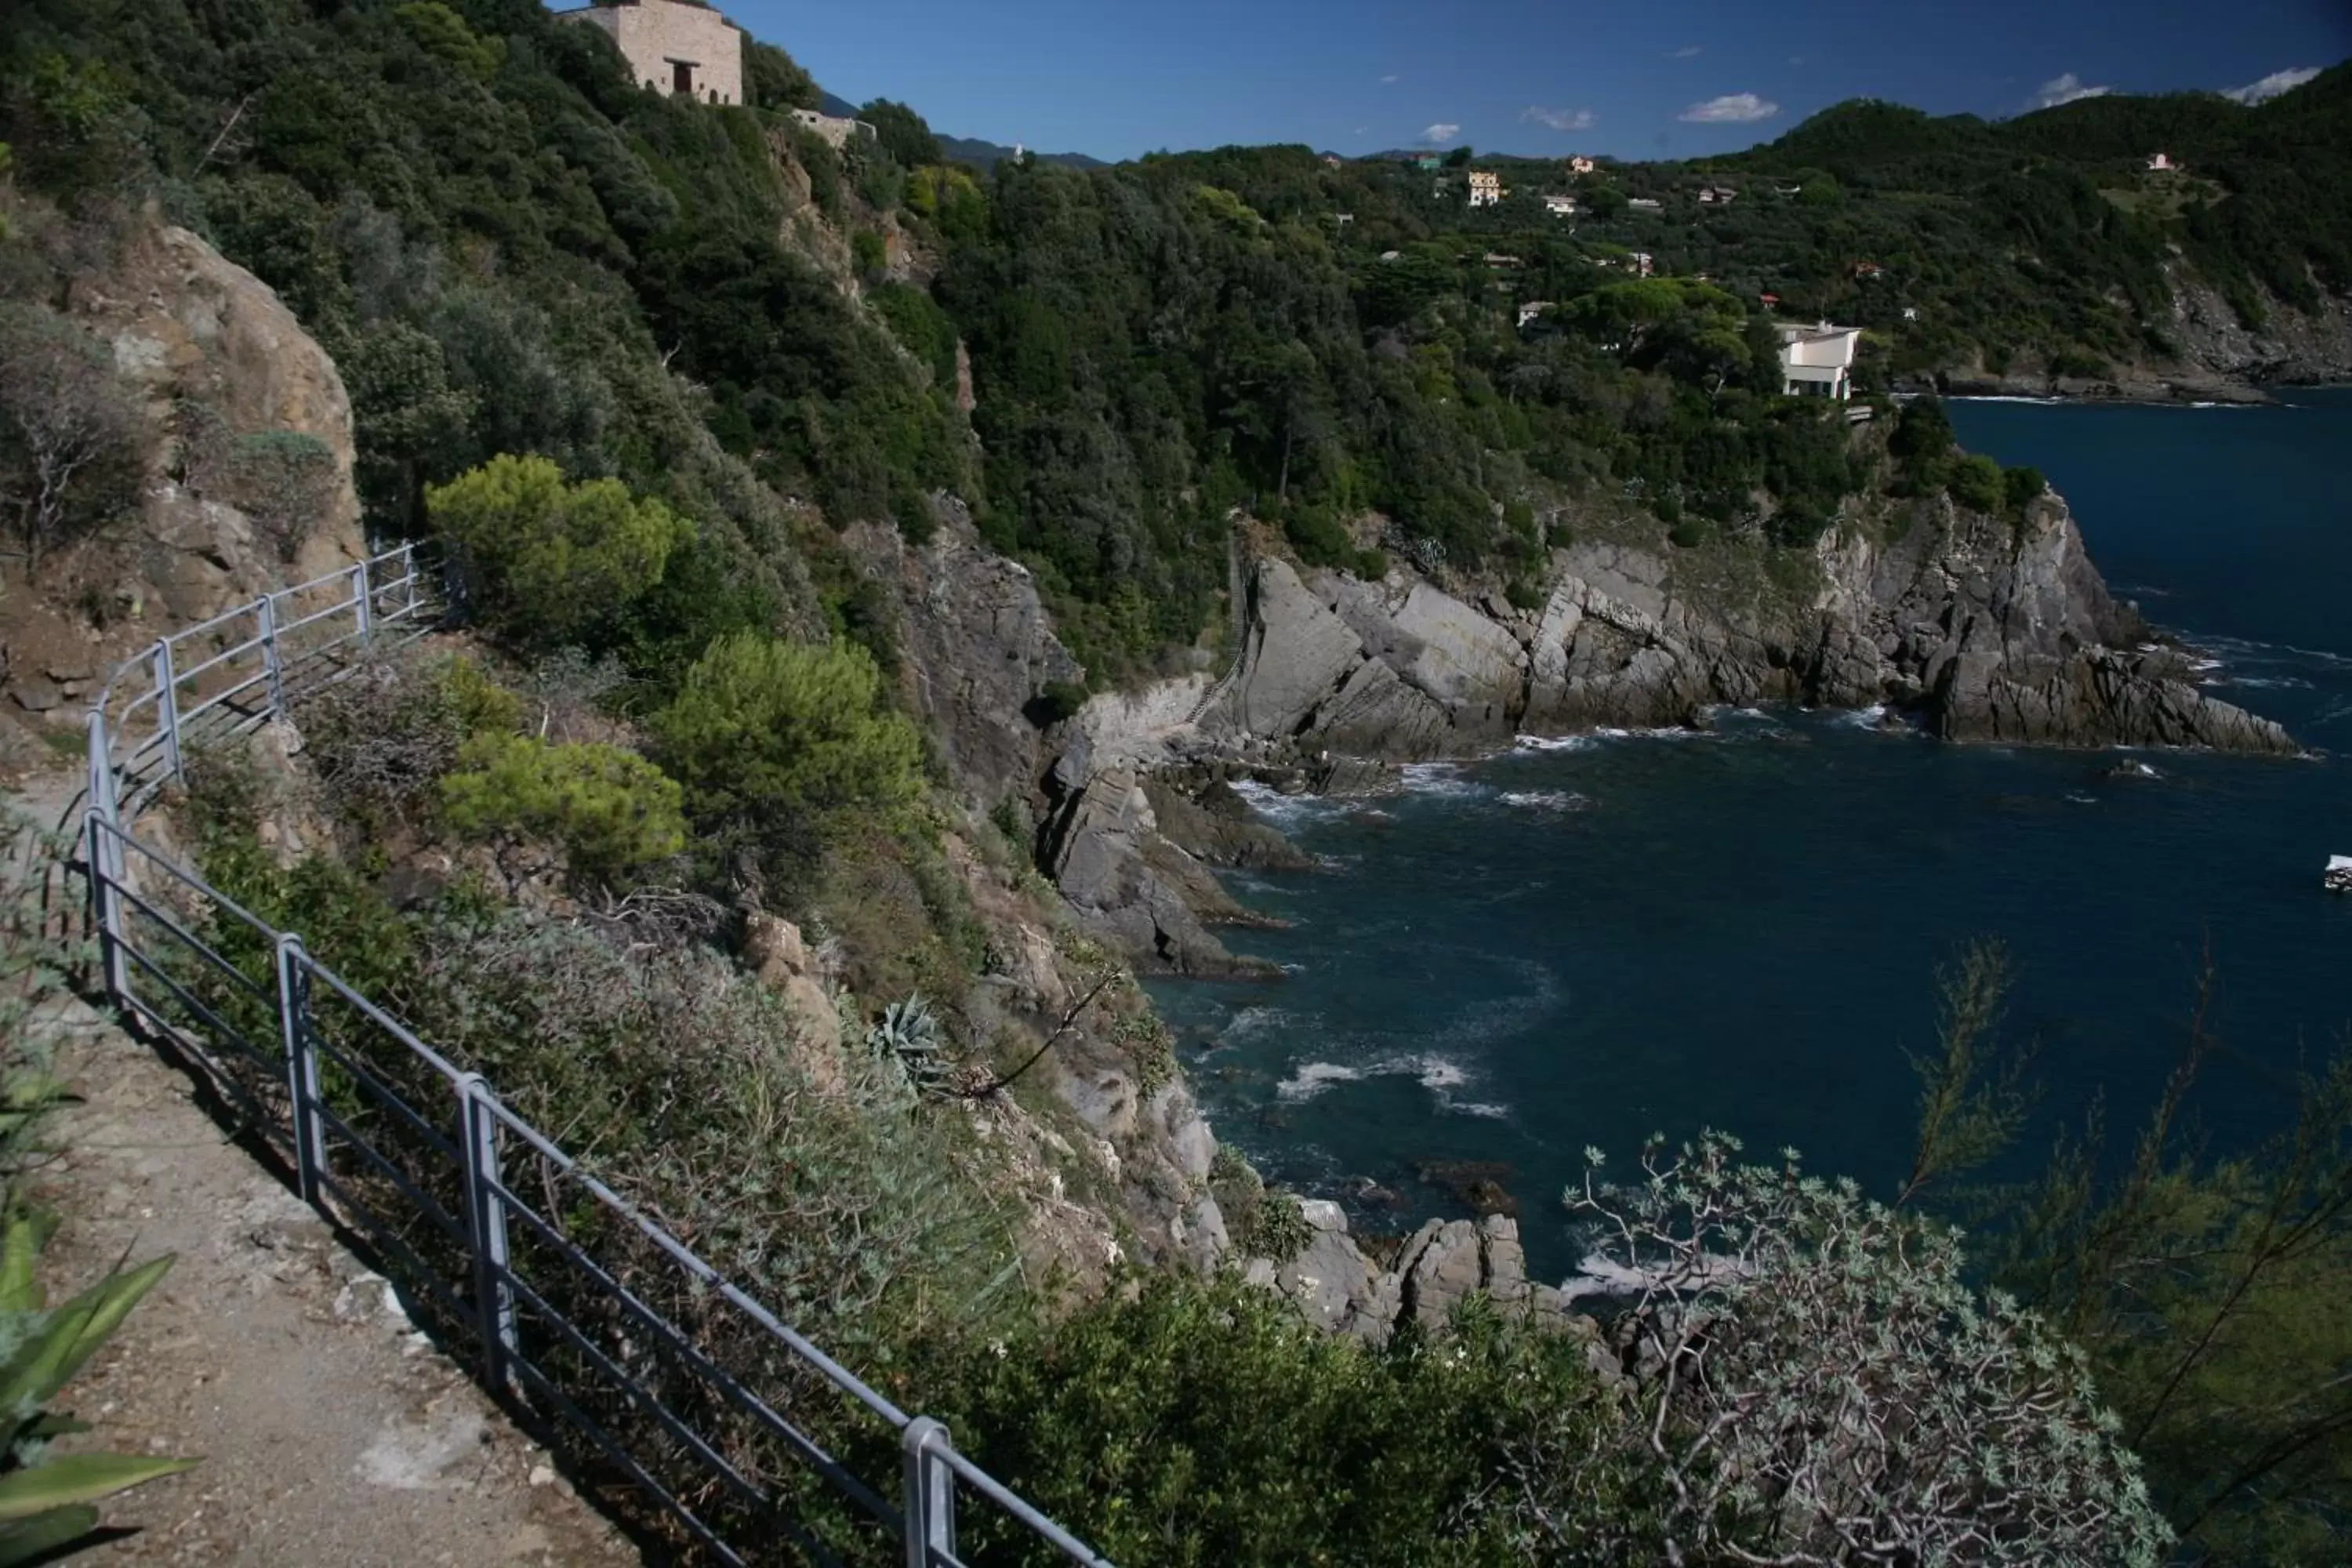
(1579, 943)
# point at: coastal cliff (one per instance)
(1975, 627)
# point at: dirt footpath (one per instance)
(332, 1435)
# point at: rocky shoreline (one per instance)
(2217, 358)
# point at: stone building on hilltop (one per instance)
(678, 47)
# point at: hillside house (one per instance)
(2161, 163)
(679, 50)
(1910, 312)
(1560, 206)
(1646, 205)
(1426, 161)
(1580, 166)
(1486, 188)
(1330, 160)
(1818, 361)
(1868, 269)
(1530, 311)
(1716, 195)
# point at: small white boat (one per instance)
(2339, 874)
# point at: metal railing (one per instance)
(503, 1243)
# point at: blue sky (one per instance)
(1117, 79)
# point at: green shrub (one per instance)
(1976, 483)
(442, 32)
(379, 738)
(1206, 1423)
(770, 737)
(550, 562)
(284, 481)
(1689, 533)
(2023, 487)
(610, 809)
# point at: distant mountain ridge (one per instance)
(969, 149)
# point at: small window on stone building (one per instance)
(681, 78)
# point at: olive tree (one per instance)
(70, 435)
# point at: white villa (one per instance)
(1580, 166)
(1531, 311)
(1818, 361)
(1560, 206)
(1486, 188)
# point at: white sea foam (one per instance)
(2270, 682)
(1481, 1108)
(1313, 1078)
(1282, 810)
(1445, 780)
(1555, 800)
(1554, 742)
(1658, 732)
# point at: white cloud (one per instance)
(1390, 81)
(1560, 119)
(1687, 52)
(2271, 86)
(1731, 108)
(1363, 130)
(2066, 89)
(1441, 133)
(1796, 59)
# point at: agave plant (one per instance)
(909, 1035)
(46, 1501)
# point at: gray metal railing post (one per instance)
(266, 608)
(360, 596)
(301, 1066)
(493, 1296)
(167, 707)
(408, 572)
(105, 863)
(930, 1504)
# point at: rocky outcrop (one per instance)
(1131, 886)
(1336, 1288)
(979, 649)
(2215, 356)
(1978, 628)
(198, 344)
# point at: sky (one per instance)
(1636, 79)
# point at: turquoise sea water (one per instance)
(1626, 933)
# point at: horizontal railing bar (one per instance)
(385, 1096)
(354, 1212)
(390, 1024)
(743, 1399)
(424, 1202)
(341, 608)
(840, 1377)
(637, 1396)
(188, 716)
(188, 880)
(996, 1492)
(194, 944)
(250, 644)
(569, 1409)
(189, 1000)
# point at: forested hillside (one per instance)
(675, 386)
(506, 244)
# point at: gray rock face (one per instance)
(1133, 888)
(1981, 628)
(1297, 651)
(1443, 1264)
(979, 649)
